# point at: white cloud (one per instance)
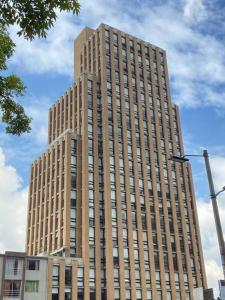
(196, 57)
(196, 60)
(214, 272)
(13, 203)
(218, 170)
(194, 9)
(55, 54)
(38, 111)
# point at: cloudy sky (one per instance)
(193, 34)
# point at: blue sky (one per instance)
(193, 34)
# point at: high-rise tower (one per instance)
(105, 190)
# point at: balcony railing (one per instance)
(13, 271)
(11, 293)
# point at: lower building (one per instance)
(222, 289)
(208, 294)
(54, 278)
(40, 278)
(203, 294)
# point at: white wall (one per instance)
(42, 276)
(198, 294)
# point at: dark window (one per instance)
(33, 264)
(116, 261)
(92, 296)
(73, 182)
(175, 263)
(80, 295)
(73, 202)
(104, 297)
(68, 276)
(68, 295)
(55, 297)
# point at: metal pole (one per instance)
(215, 210)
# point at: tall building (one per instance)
(105, 190)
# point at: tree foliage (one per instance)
(11, 86)
(33, 18)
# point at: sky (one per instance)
(193, 34)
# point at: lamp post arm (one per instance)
(215, 209)
(199, 155)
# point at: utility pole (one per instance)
(215, 210)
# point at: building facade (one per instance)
(222, 289)
(25, 277)
(105, 190)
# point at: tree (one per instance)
(34, 18)
(10, 87)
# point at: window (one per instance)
(73, 181)
(90, 160)
(116, 273)
(125, 253)
(128, 294)
(14, 266)
(132, 198)
(73, 160)
(33, 264)
(90, 128)
(92, 295)
(115, 38)
(114, 213)
(149, 295)
(138, 294)
(55, 293)
(31, 286)
(117, 293)
(107, 33)
(55, 275)
(169, 297)
(136, 255)
(11, 288)
(80, 274)
(91, 273)
(89, 84)
(107, 47)
(68, 275)
(68, 294)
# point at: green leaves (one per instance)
(6, 47)
(13, 113)
(15, 84)
(34, 17)
(10, 87)
(14, 116)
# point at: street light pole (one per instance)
(215, 210)
(213, 195)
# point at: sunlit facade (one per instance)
(105, 190)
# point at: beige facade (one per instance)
(105, 190)
(25, 277)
